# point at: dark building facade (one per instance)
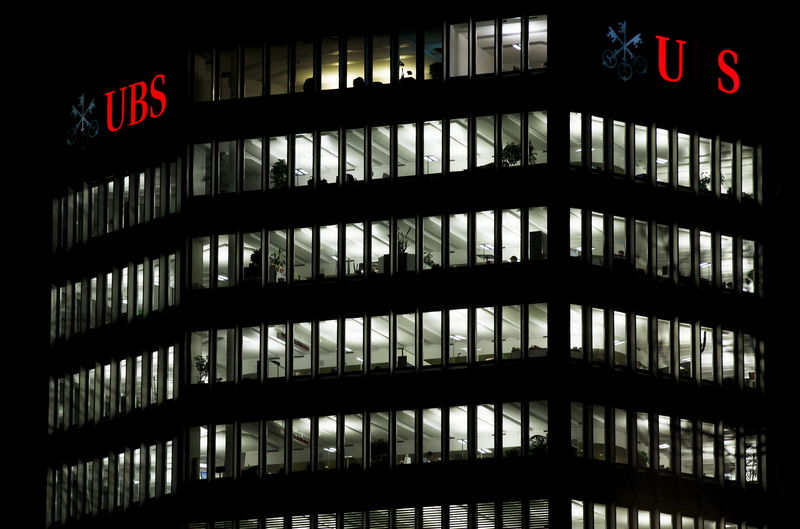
(472, 270)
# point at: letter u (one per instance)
(110, 110)
(662, 59)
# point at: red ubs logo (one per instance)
(146, 101)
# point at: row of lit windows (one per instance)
(667, 444)
(667, 251)
(526, 514)
(665, 156)
(369, 249)
(380, 343)
(114, 481)
(105, 390)
(118, 203)
(689, 350)
(375, 440)
(400, 342)
(587, 514)
(122, 294)
(477, 48)
(366, 154)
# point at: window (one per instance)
(329, 156)
(251, 353)
(228, 74)
(485, 334)
(458, 240)
(432, 147)
(642, 340)
(302, 263)
(662, 156)
(618, 151)
(248, 449)
(598, 239)
(576, 429)
(301, 349)
(459, 133)
(621, 453)
(484, 47)
(301, 445)
(381, 59)
(327, 347)
(404, 437)
(575, 233)
(748, 173)
(458, 427)
(380, 147)
(458, 342)
(598, 336)
(684, 160)
(199, 352)
(304, 173)
(687, 446)
(326, 442)
(484, 141)
(641, 157)
(379, 246)
(330, 63)
(201, 262)
(253, 164)
(201, 169)
(354, 155)
(599, 432)
(642, 440)
(458, 50)
(485, 431)
(432, 338)
(353, 441)
(664, 443)
(663, 346)
(278, 69)
(537, 42)
(275, 447)
(511, 429)
(354, 344)
(304, 67)
(406, 245)
(510, 332)
(328, 251)
(431, 435)
(484, 238)
(598, 150)
(537, 137)
(576, 331)
(434, 66)
(511, 45)
(407, 55)
(726, 168)
(253, 74)
(379, 440)
(709, 456)
(663, 261)
(379, 343)
(278, 158)
(704, 164)
(405, 339)
(355, 61)
(575, 138)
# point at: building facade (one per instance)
(460, 271)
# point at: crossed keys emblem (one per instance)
(83, 127)
(623, 58)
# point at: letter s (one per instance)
(727, 70)
(158, 95)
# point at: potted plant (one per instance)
(537, 445)
(512, 154)
(202, 367)
(277, 265)
(280, 174)
(253, 271)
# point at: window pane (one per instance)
(201, 169)
(278, 167)
(432, 147)
(619, 147)
(379, 245)
(511, 154)
(354, 155)
(303, 159)
(379, 440)
(598, 335)
(620, 339)
(537, 42)
(484, 141)
(406, 245)
(537, 330)
(223, 451)
(511, 339)
(354, 249)
(277, 256)
(729, 453)
(484, 238)
(598, 156)
(621, 436)
(641, 246)
(748, 266)
(704, 164)
(748, 173)
(642, 440)
(575, 233)
(575, 138)
(251, 258)
(253, 71)
(663, 268)
(664, 443)
(200, 357)
(380, 59)
(225, 351)
(662, 156)
(709, 457)
(685, 353)
(576, 331)
(485, 334)
(537, 137)
(304, 67)
(302, 254)
(327, 347)
(512, 429)
(642, 336)
(726, 268)
(684, 159)
(252, 164)
(458, 145)
(226, 260)
(458, 49)
(687, 447)
(407, 60)
(228, 74)
(276, 351)
(251, 352)
(326, 443)
(380, 153)
(599, 432)
(726, 168)
(458, 336)
(663, 342)
(354, 344)
(459, 442)
(705, 265)
(434, 67)
(431, 435)
(512, 44)
(276, 439)
(248, 449)
(432, 338)
(329, 156)
(484, 47)
(330, 63)
(203, 63)
(431, 243)
(458, 239)
(301, 445)
(355, 61)
(406, 339)
(301, 349)
(598, 239)
(485, 431)
(641, 156)
(406, 149)
(353, 442)
(379, 342)
(226, 167)
(328, 251)
(576, 428)
(404, 437)
(684, 254)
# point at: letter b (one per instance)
(138, 105)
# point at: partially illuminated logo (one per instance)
(85, 127)
(622, 57)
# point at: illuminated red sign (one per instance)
(729, 86)
(145, 101)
